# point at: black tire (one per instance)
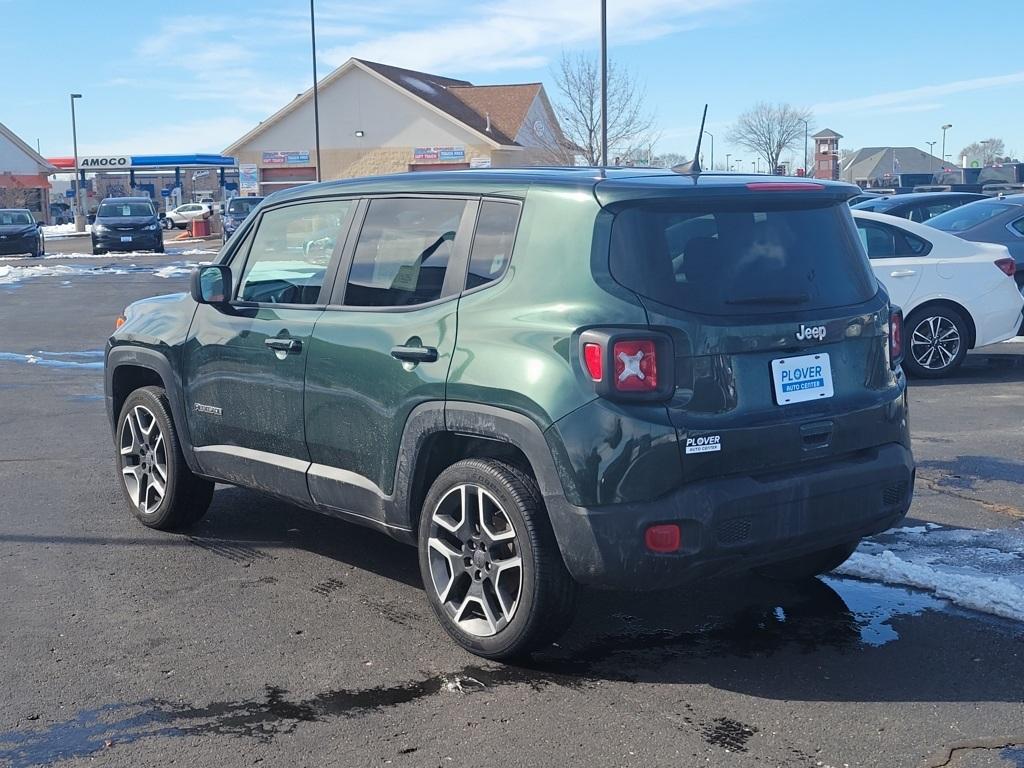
(547, 593)
(810, 565)
(40, 249)
(97, 251)
(160, 249)
(186, 497)
(920, 325)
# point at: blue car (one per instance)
(237, 211)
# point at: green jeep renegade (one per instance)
(540, 378)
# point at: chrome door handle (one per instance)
(903, 273)
(291, 346)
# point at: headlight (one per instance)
(99, 229)
(152, 226)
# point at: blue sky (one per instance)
(157, 79)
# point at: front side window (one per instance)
(492, 243)
(402, 254)
(290, 252)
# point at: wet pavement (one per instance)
(270, 635)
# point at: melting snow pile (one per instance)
(978, 570)
(58, 359)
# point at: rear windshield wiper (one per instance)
(793, 298)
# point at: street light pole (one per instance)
(316, 95)
(604, 82)
(945, 128)
(807, 129)
(79, 213)
(727, 156)
(712, 148)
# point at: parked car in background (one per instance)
(126, 224)
(993, 220)
(955, 294)
(181, 216)
(236, 211)
(918, 206)
(539, 377)
(865, 195)
(61, 213)
(20, 233)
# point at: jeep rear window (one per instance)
(750, 257)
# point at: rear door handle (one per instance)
(415, 354)
(291, 346)
(903, 273)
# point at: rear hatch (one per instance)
(780, 331)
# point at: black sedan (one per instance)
(918, 206)
(20, 233)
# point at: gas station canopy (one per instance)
(129, 162)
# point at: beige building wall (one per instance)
(393, 125)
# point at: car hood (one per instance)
(16, 229)
(124, 221)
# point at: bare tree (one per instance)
(578, 79)
(770, 129)
(987, 151)
(668, 160)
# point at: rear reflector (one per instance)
(593, 356)
(784, 186)
(636, 366)
(663, 538)
(895, 337)
(1009, 266)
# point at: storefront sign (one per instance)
(479, 162)
(105, 162)
(248, 178)
(439, 154)
(286, 158)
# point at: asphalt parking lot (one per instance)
(271, 635)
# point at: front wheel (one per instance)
(491, 566)
(40, 249)
(936, 339)
(160, 489)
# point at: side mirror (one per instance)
(211, 284)
(163, 214)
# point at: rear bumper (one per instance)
(732, 524)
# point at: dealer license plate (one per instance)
(126, 238)
(798, 379)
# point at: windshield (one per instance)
(9, 218)
(125, 209)
(749, 258)
(968, 216)
(998, 174)
(242, 206)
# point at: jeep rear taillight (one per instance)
(628, 363)
(636, 366)
(1009, 266)
(895, 336)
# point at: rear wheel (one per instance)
(811, 565)
(491, 567)
(936, 342)
(160, 489)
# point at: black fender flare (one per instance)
(141, 357)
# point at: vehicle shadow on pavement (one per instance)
(967, 471)
(980, 368)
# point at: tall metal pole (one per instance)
(806, 129)
(945, 128)
(604, 82)
(79, 213)
(316, 94)
(931, 159)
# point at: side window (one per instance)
(914, 246)
(492, 244)
(1018, 226)
(403, 250)
(878, 241)
(290, 252)
(925, 212)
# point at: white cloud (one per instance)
(169, 137)
(916, 99)
(523, 33)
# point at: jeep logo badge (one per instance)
(807, 332)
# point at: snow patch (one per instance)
(47, 362)
(64, 230)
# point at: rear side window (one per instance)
(403, 251)
(968, 216)
(882, 242)
(492, 244)
(743, 258)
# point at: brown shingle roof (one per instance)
(507, 105)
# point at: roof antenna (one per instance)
(693, 167)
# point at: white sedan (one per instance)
(183, 214)
(955, 294)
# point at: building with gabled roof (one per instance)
(881, 166)
(375, 118)
(23, 176)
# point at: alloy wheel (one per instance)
(475, 560)
(935, 342)
(143, 459)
